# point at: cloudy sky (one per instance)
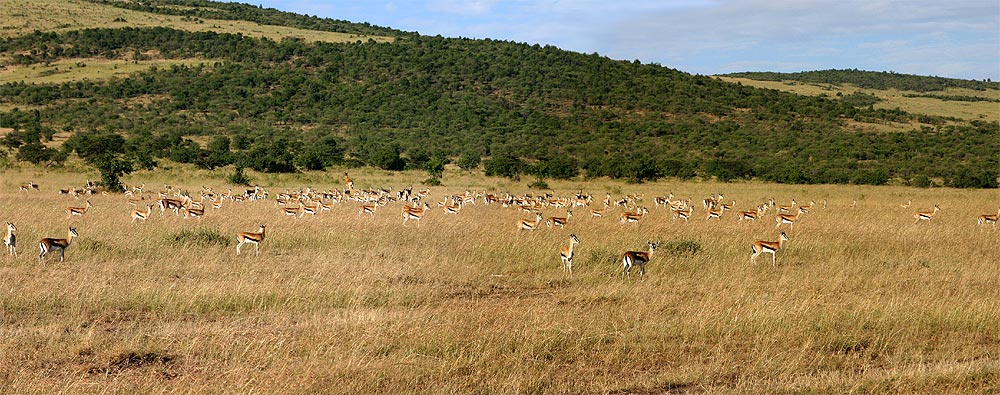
(958, 38)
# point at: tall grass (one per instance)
(862, 300)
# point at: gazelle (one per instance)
(983, 219)
(566, 253)
(415, 213)
(29, 186)
(806, 208)
(783, 208)
(717, 213)
(599, 212)
(194, 212)
(50, 244)
(683, 213)
(10, 240)
(789, 219)
(292, 211)
(926, 215)
(71, 211)
(627, 217)
(136, 214)
(170, 204)
(452, 209)
(559, 221)
(529, 224)
(367, 209)
(348, 182)
(907, 204)
(769, 247)
(632, 258)
(250, 238)
(749, 215)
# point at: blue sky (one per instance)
(959, 39)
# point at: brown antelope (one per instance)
(599, 213)
(348, 182)
(251, 238)
(29, 186)
(717, 213)
(367, 209)
(528, 224)
(767, 247)
(786, 208)
(170, 204)
(926, 215)
(789, 219)
(558, 221)
(984, 219)
(293, 211)
(566, 254)
(194, 212)
(907, 204)
(632, 258)
(749, 215)
(806, 208)
(683, 213)
(452, 209)
(415, 213)
(136, 214)
(627, 217)
(50, 244)
(311, 210)
(10, 240)
(71, 211)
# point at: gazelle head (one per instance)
(72, 231)
(10, 227)
(784, 236)
(573, 239)
(652, 246)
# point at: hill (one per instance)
(410, 101)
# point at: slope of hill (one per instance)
(279, 105)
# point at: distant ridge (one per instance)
(871, 79)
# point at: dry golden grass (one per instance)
(69, 70)
(893, 98)
(18, 17)
(862, 300)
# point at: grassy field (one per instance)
(26, 16)
(892, 98)
(69, 70)
(862, 299)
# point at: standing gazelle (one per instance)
(926, 215)
(10, 240)
(559, 221)
(566, 254)
(770, 247)
(136, 214)
(632, 258)
(789, 219)
(251, 238)
(529, 224)
(50, 244)
(71, 211)
(983, 219)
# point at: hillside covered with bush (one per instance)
(289, 105)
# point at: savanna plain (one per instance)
(862, 299)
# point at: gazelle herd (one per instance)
(415, 207)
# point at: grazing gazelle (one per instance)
(633, 258)
(559, 221)
(251, 238)
(983, 219)
(10, 240)
(627, 217)
(136, 214)
(925, 215)
(529, 224)
(71, 211)
(770, 247)
(789, 219)
(566, 254)
(49, 244)
(367, 209)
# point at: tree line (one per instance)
(514, 109)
